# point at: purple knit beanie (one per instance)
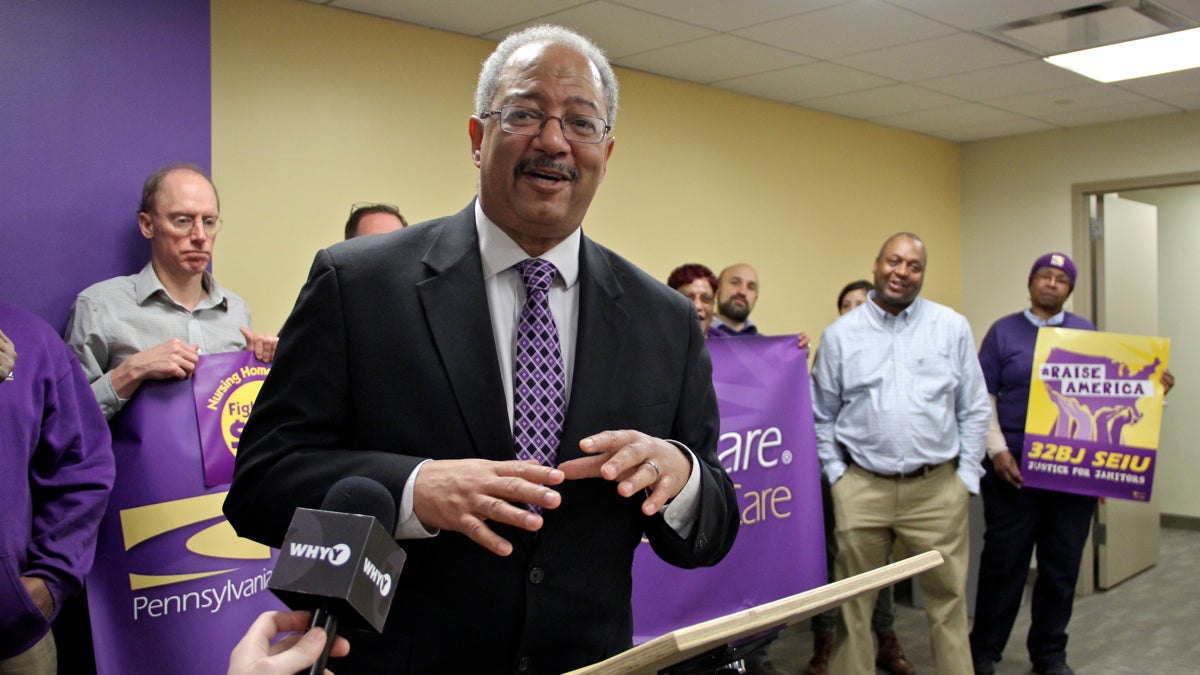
(1060, 260)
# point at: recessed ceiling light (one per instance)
(1137, 58)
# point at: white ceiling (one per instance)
(911, 64)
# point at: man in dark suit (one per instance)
(402, 361)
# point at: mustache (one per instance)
(547, 164)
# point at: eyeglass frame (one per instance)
(196, 219)
(383, 207)
(499, 115)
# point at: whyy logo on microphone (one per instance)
(335, 555)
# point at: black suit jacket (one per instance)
(388, 359)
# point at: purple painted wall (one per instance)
(94, 95)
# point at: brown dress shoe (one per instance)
(822, 648)
(891, 656)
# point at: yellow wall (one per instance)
(1017, 205)
(315, 108)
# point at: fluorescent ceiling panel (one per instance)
(1137, 58)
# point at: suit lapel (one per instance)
(456, 310)
(600, 338)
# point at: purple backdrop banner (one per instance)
(225, 386)
(173, 588)
(768, 445)
(94, 95)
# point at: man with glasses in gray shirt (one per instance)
(153, 325)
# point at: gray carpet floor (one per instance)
(1147, 625)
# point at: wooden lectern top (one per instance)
(677, 646)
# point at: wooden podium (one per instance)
(668, 650)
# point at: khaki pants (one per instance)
(927, 513)
(40, 659)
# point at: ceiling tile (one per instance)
(1113, 113)
(619, 30)
(1167, 84)
(459, 16)
(874, 103)
(1188, 8)
(1017, 78)
(1063, 101)
(845, 29)
(1185, 101)
(1021, 125)
(904, 63)
(947, 55)
(948, 117)
(723, 15)
(812, 80)
(717, 57)
(974, 14)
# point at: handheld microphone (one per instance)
(341, 561)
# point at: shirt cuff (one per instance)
(970, 479)
(408, 526)
(106, 396)
(682, 511)
(833, 471)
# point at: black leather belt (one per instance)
(919, 472)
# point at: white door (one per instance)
(1126, 257)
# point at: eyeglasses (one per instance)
(515, 119)
(184, 223)
(377, 206)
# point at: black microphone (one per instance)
(341, 562)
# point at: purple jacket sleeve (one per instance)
(60, 496)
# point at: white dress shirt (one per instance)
(506, 296)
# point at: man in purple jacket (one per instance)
(56, 470)
(1019, 518)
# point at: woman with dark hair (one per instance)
(853, 295)
(698, 284)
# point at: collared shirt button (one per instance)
(536, 575)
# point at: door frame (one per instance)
(1084, 246)
(1081, 226)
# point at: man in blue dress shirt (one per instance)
(901, 415)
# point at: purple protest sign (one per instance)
(1095, 409)
(768, 446)
(225, 386)
(1088, 467)
(173, 588)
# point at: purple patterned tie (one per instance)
(539, 379)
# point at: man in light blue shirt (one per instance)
(901, 414)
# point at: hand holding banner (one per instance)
(170, 572)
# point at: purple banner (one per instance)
(768, 446)
(173, 588)
(80, 116)
(225, 386)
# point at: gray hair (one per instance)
(489, 76)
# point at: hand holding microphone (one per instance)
(255, 654)
(341, 561)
